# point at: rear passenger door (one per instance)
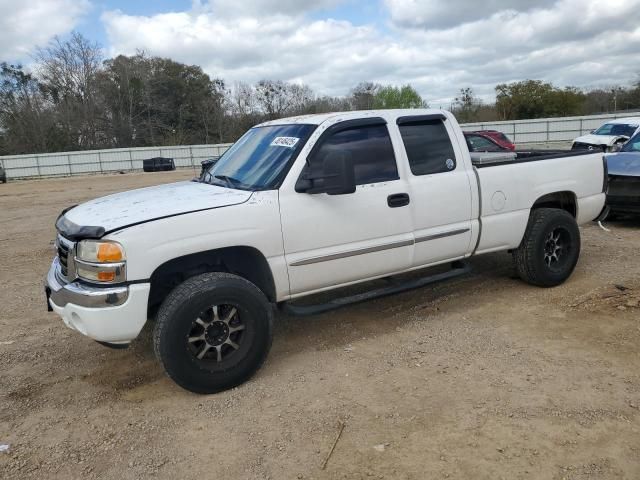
(331, 240)
(440, 189)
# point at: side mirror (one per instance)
(337, 176)
(206, 165)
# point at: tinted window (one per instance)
(616, 129)
(369, 147)
(632, 145)
(478, 143)
(428, 147)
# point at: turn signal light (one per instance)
(106, 276)
(109, 253)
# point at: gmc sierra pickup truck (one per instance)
(302, 205)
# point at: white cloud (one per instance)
(568, 42)
(25, 25)
(440, 14)
(228, 8)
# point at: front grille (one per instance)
(64, 247)
(586, 146)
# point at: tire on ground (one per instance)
(176, 322)
(532, 257)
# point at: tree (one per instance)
(466, 106)
(564, 102)
(363, 95)
(536, 99)
(26, 118)
(68, 70)
(521, 100)
(273, 97)
(398, 97)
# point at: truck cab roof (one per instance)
(334, 117)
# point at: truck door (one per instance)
(440, 189)
(331, 240)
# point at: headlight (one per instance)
(100, 261)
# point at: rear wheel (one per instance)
(213, 332)
(550, 248)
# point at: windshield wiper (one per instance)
(230, 181)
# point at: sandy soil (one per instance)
(483, 377)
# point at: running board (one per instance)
(457, 269)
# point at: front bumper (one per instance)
(624, 194)
(106, 314)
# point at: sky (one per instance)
(438, 46)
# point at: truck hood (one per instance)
(624, 164)
(98, 217)
(598, 139)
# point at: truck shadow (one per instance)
(338, 328)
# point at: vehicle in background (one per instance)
(299, 206)
(158, 164)
(623, 195)
(499, 137)
(3, 174)
(609, 137)
(477, 142)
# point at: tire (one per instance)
(550, 248)
(202, 344)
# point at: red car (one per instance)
(478, 142)
(498, 137)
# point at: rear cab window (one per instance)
(428, 145)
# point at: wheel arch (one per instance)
(564, 200)
(246, 262)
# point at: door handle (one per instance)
(398, 200)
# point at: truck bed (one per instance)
(493, 159)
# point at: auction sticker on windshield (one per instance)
(288, 142)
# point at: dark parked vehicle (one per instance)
(158, 164)
(478, 142)
(498, 137)
(623, 195)
(3, 174)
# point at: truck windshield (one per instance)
(260, 158)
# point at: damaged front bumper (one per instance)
(114, 314)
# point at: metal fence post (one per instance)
(581, 128)
(547, 130)
(69, 163)
(130, 160)
(100, 162)
(38, 165)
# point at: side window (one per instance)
(479, 143)
(428, 147)
(370, 148)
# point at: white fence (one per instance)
(540, 132)
(543, 131)
(104, 161)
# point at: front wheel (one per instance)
(213, 332)
(550, 248)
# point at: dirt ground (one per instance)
(483, 377)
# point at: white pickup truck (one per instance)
(303, 205)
